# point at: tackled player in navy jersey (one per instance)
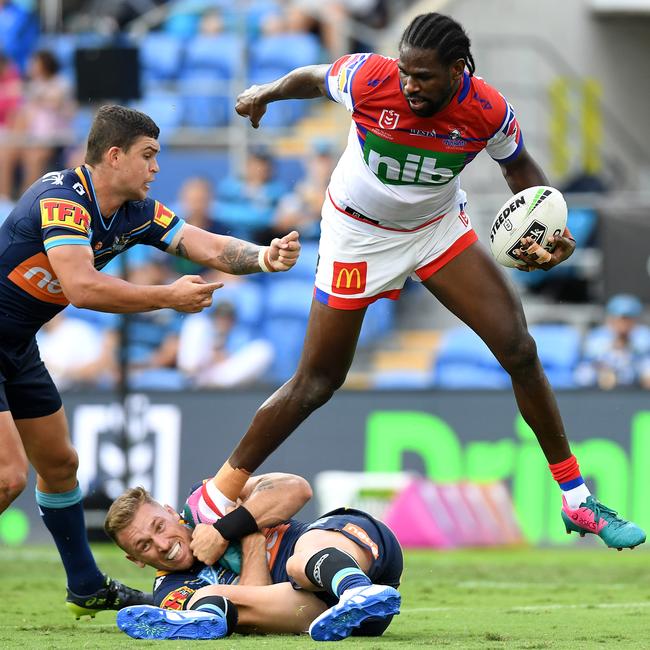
(351, 561)
(64, 229)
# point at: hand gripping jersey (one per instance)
(402, 169)
(174, 590)
(61, 209)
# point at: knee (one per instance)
(519, 354)
(315, 389)
(295, 567)
(61, 468)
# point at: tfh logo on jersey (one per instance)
(162, 215)
(388, 119)
(57, 212)
(36, 277)
(349, 277)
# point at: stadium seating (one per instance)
(220, 55)
(161, 56)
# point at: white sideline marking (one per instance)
(531, 608)
(487, 584)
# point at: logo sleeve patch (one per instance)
(362, 536)
(176, 599)
(63, 213)
(162, 215)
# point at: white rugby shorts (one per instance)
(360, 262)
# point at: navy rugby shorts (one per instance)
(26, 388)
(372, 535)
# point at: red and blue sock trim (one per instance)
(567, 473)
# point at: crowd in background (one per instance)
(235, 343)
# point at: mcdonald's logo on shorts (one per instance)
(349, 277)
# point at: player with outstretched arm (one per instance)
(395, 209)
(62, 232)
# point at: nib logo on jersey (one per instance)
(397, 164)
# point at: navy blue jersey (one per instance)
(174, 590)
(61, 209)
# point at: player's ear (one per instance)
(130, 558)
(171, 510)
(457, 69)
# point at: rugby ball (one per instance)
(539, 212)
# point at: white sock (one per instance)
(576, 496)
(213, 504)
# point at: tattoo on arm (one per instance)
(239, 257)
(181, 251)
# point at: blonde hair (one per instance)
(123, 509)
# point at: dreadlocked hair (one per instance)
(441, 33)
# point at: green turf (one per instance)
(583, 597)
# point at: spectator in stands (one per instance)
(196, 198)
(18, 32)
(43, 123)
(153, 336)
(215, 351)
(247, 205)
(618, 352)
(78, 353)
(301, 209)
(10, 93)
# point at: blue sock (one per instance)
(63, 516)
(348, 578)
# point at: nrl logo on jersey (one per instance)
(388, 119)
(56, 178)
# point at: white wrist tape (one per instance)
(261, 260)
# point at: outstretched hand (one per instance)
(283, 253)
(250, 105)
(536, 257)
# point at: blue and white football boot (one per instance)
(355, 606)
(147, 622)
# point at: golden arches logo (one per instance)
(349, 278)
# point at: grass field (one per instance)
(518, 598)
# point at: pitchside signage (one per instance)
(178, 438)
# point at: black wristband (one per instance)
(236, 524)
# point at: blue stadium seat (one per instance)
(284, 51)
(558, 347)
(401, 380)
(219, 54)
(158, 379)
(278, 114)
(305, 268)
(205, 103)
(160, 56)
(378, 321)
(164, 108)
(247, 297)
(287, 335)
(289, 297)
(464, 361)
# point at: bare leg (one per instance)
(316, 540)
(35, 160)
(330, 343)
(13, 462)
(473, 288)
(48, 446)
(273, 608)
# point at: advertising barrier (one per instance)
(177, 438)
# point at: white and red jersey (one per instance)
(402, 169)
